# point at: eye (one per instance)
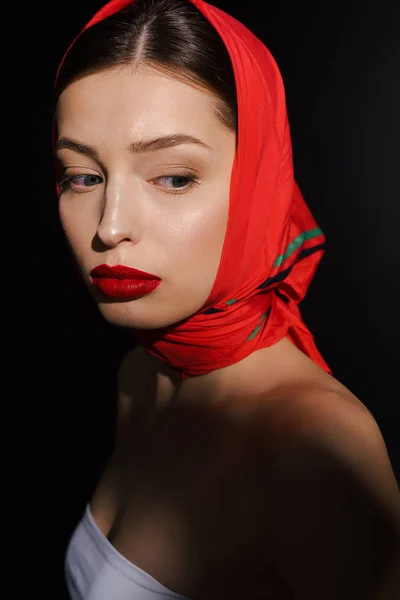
(176, 184)
(180, 183)
(80, 183)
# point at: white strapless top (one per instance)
(95, 570)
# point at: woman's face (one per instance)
(159, 208)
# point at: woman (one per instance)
(242, 468)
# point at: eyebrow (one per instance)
(141, 146)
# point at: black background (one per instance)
(340, 63)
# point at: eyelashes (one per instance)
(191, 182)
(71, 181)
(83, 183)
(79, 183)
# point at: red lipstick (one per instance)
(123, 282)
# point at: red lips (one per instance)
(121, 272)
(123, 282)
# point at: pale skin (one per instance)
(210, 445)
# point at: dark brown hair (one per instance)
(169, 35)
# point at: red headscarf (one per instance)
(272, 246)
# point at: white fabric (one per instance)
(95, 570)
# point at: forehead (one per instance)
(128, 102)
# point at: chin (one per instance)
(130, 314)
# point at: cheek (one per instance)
(77, 225)
(193, 244)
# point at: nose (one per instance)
(119, 219)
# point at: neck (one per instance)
(255, 377)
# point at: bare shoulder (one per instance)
(333, 499)
(329, 420)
